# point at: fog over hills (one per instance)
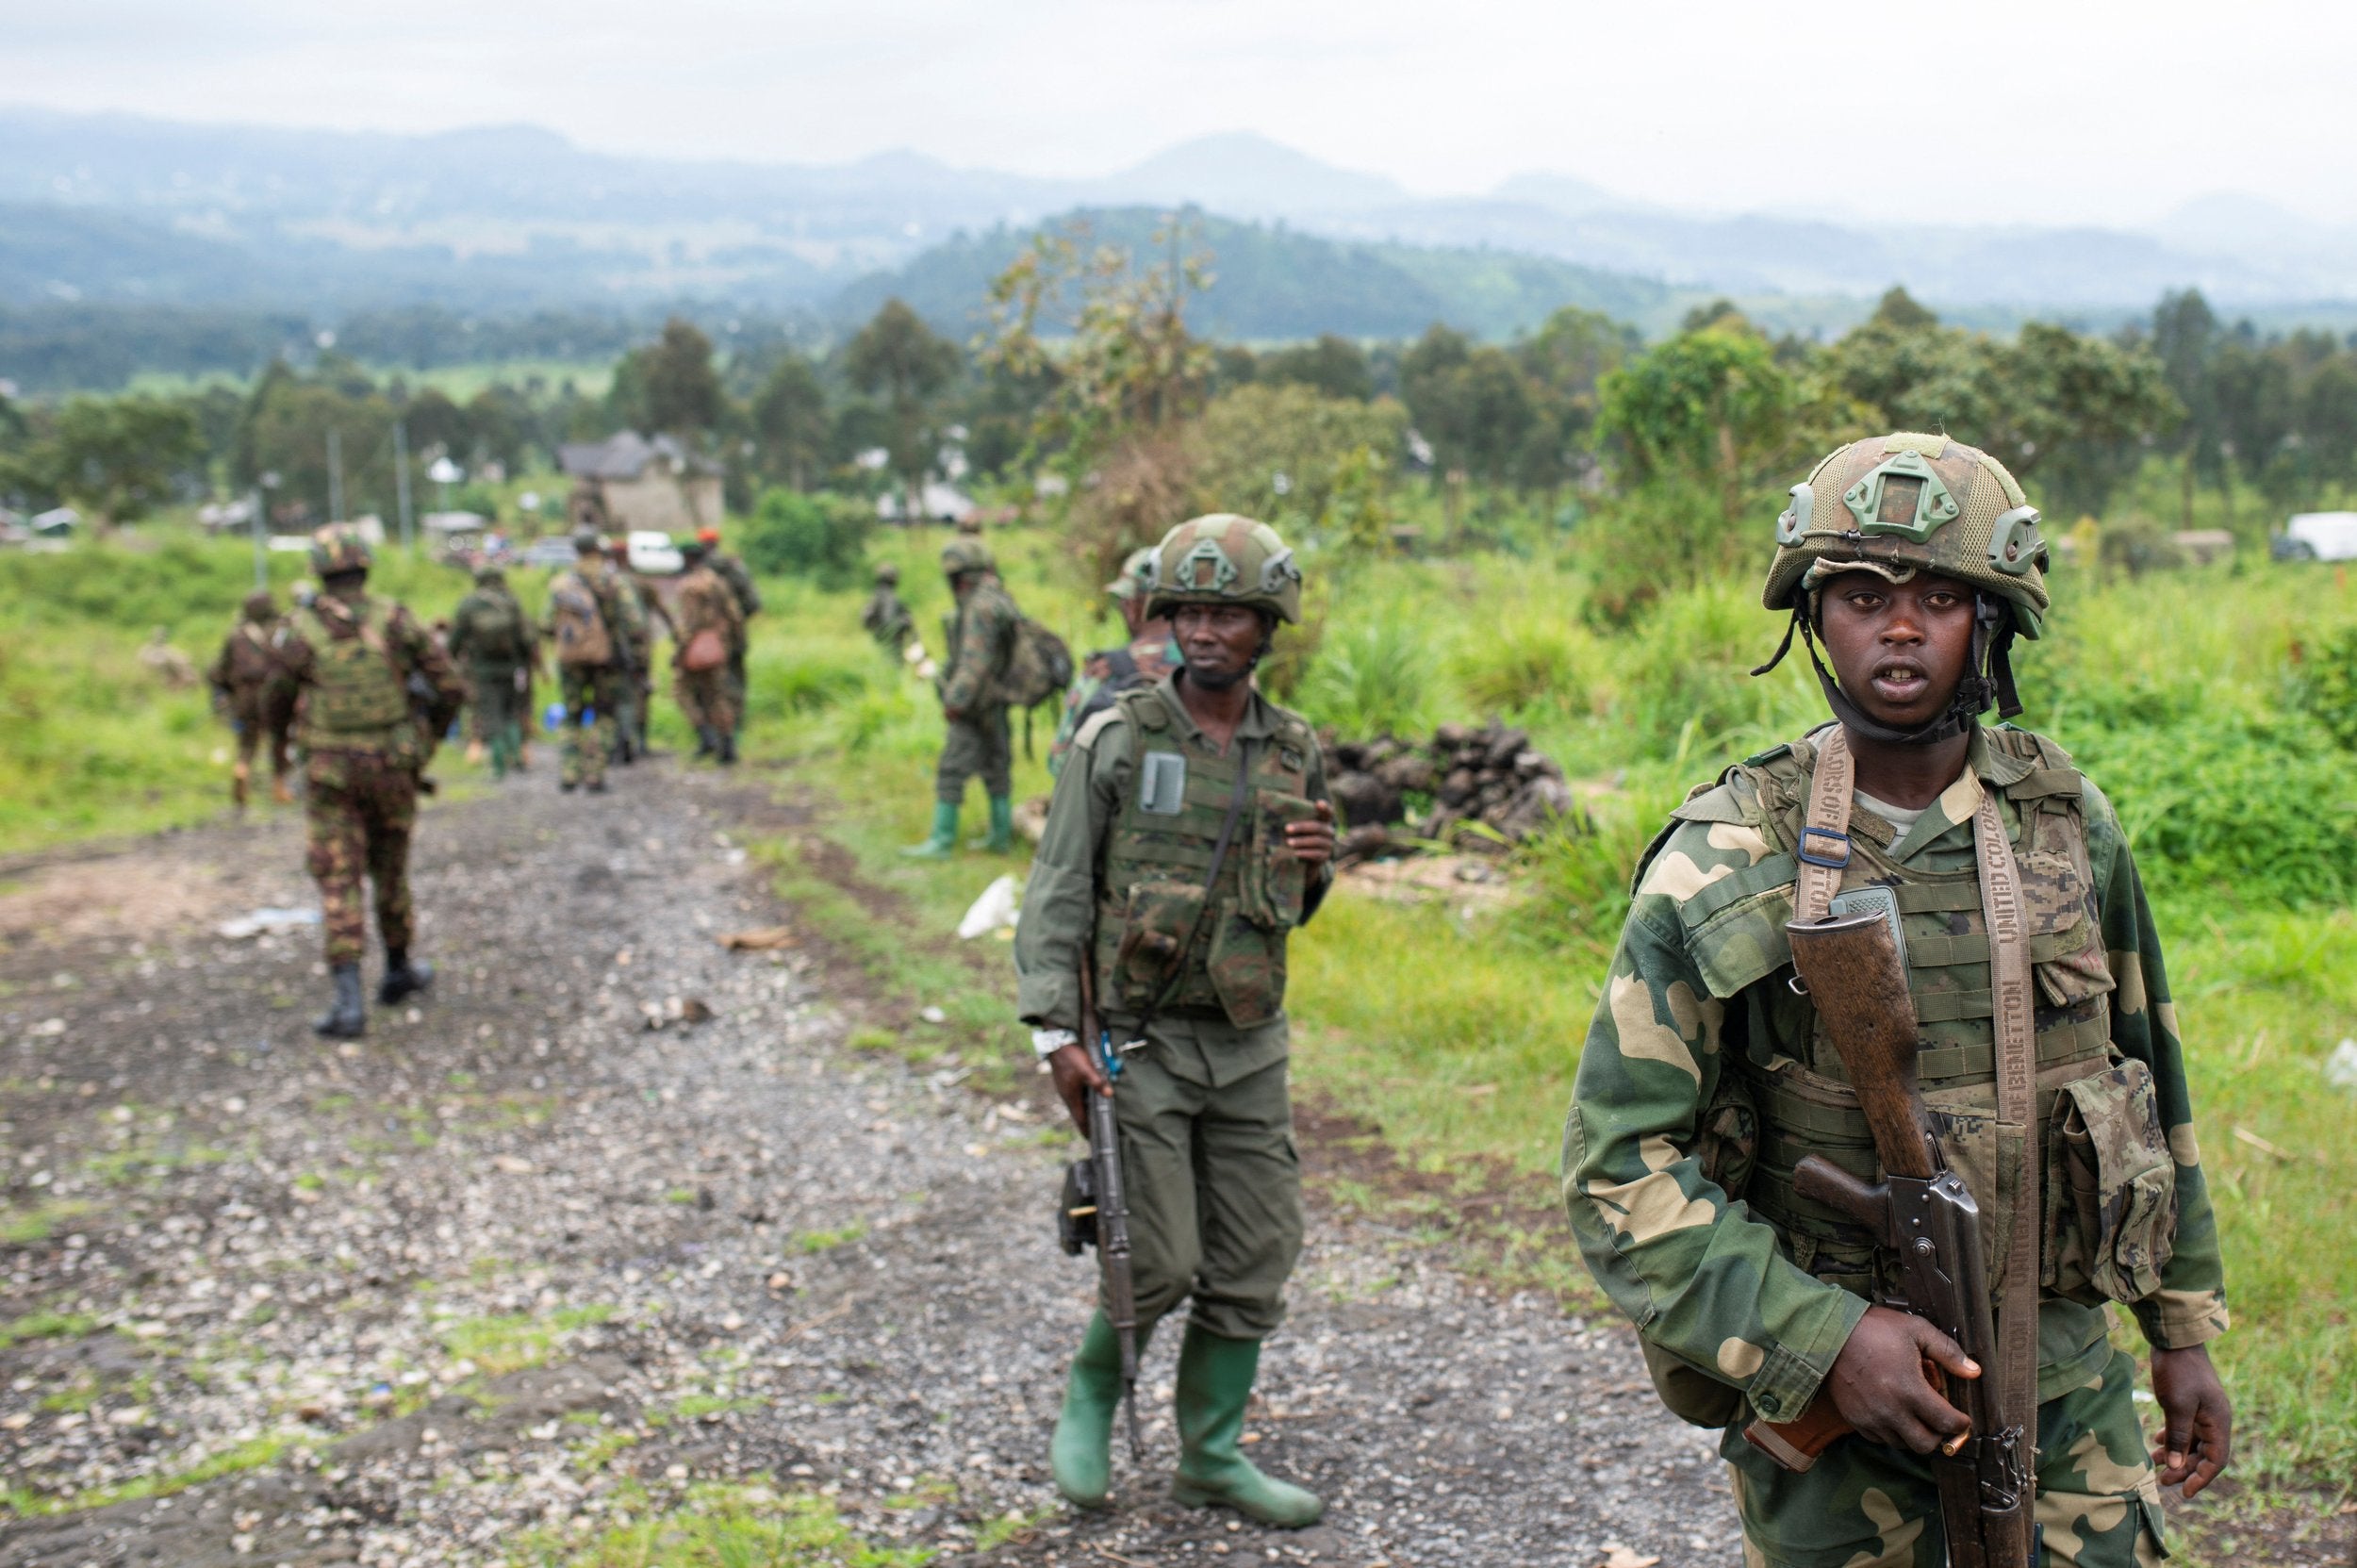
(117, 207)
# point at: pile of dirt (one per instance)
(1397, 797)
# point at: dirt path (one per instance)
(520, 1272)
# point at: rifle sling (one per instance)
(2016, 1107)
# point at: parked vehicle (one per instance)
(2317, 537)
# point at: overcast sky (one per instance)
(2044, 110)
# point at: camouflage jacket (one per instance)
(651, 615)
(981, 645)
(1064, 904)
(473, 636)
(249, 656)
(741, 582)
(431, 688)
(887, 619)
(705, 602)
(1690, 1010)
(1106, 674)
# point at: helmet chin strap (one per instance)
(1988, 679)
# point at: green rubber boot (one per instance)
(1080, 1457)
(944, 841)
(1215, 1383)
(1001, 837)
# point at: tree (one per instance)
(682, 390)
(1899, 311)
(1333, 366)
(1314, 466)
(898, 357)
(432, 421)
(113, 458)
(790, 421)
(1561, 365)
(1469, 402)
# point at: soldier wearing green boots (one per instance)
(1189, 831)
(982, 642)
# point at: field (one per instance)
(1458, 1034)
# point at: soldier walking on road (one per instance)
(493, 640)
(591, 620)
(1150, 653)
(885, 618)
(982, 635)
(635, 699)
(1188, 834)
(251, 686)
(732, 571)
(710, 626)
(1711, 1073)
(357, 661)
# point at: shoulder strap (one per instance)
(1824, 846)
(2009, 978)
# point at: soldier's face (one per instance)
(1898, 649)
(1220, 642)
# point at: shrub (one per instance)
(1371, 680)
(2327, 686)
(1522, 662)
(820, 537)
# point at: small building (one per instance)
(629, 482)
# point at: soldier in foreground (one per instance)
(709, 628)
(1188, 834)
(249, 686)
(884, 616)
(732, 570)
(591, 620)
(493, 640)
(1150, 653)
(981, 632)
(1730, 1113)
(355, 661)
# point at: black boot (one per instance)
(707, 742)
(728, 748)
(403, 979)
(347, 1017)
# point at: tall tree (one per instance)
(790, 421)
(897, 357)
(681, 388)
(1332, 365)
(115, 459)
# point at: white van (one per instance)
(652, 553)
(2318, 536)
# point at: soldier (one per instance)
(636, 699)
(1188, 834)
(981, 632)
(732, 571)
(701, 688)
(1150, 653)
(1707, 1076)
(886, 619)
(354, 660)
(249, 686)
(492, 638)
(591, 621)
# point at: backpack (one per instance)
(251, 660)
(1039, 668)
(497, 626)
(581, 639)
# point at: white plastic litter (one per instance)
(994, 911)
(273, 921)
(2340, 1069)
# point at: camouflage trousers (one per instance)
(262, 713)
(737, 687)
(978, 743)
(500, 711)
(592, 700)
(360, 807)
(1868, 1506)
(706, 698)
(1214, 1190)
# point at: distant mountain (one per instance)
(1242, 175)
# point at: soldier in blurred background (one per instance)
(1151, 652)
(710, 627)
(493, 641)
(251, 686)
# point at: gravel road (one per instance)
(522, 1268)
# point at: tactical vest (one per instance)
(1165, 944)
(357, 697)
(2110, 1211)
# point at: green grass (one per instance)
(25, 1226)
(46, 1325)
(716, 1525)
(27, 1502)
(506, 1343)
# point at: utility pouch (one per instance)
(1275, 883)
(2111, 1205)
(1155, 929)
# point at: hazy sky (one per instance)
(2046, 111)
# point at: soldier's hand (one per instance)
(1312, 841)
(1076, 1074)
(2198, 1440)
(1879, 1386)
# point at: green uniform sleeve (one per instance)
(1701, 1279)
(985, 623)
(2190, 1307)
(1060, 902)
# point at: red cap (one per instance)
(709, 536)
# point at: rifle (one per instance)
(1092, 1191)
(1924, 1213)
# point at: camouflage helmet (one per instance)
(1134, 571)
(887, 573)
(966, 553)
(587, 542)
(1223, 559)
(337, 549)
(1896, 504)
(490, 575)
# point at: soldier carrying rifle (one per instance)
(1884, 1102)
(1188, 834)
